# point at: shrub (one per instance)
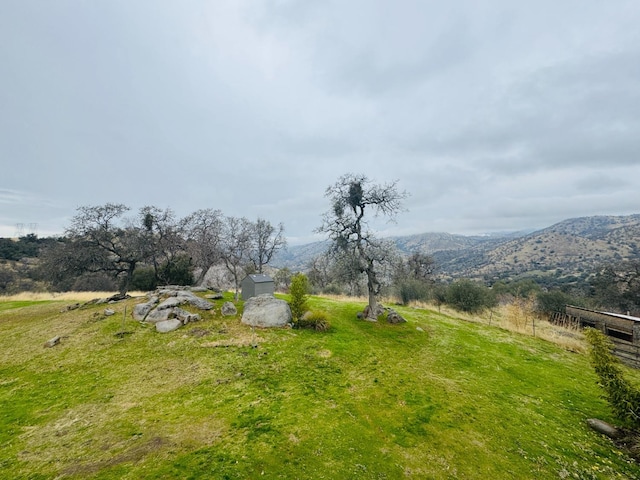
(144, 279)
(177, 271)
(554, 301)
(315, 320)
(623, 398)
(469, 296)
(332, 289)
(412, 289)
(299, 291)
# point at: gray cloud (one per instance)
(493, 115)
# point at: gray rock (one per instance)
(184, 316)
(167, 326)
(200, 303)
(109, 311)
(194, 300)
(52, 343)
(395, 317)
(228, 309)
(141, 310)
(159, 315)
(266, 311)
(214, 296)
(170, 303)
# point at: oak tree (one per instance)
(353, 200)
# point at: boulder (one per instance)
(170, 303)
(214, 296)
(184, 316)
(141, 310)
(603, 427)
(109, 311)
(395, 317)
(157, 315)
(167, 326)
(266, 311)
(228, 309)
(193, 300)
(200, 303)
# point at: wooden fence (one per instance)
(623, 330)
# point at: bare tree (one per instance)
(111, 246)
(203, 231)
(421, 266)
(235, 248)
(161, 232)
(319, 270)
(267, 240)
(352, 196)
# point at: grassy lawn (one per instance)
(437, 397)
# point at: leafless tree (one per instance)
(203, 230)
(267, 240)
(111, 245)
(162, 234)
(352, 196)
(235, 248)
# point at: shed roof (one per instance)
(610, 314)
(260, 278)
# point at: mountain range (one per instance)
(571, 248)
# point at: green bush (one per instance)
(411, 290)
(314, 320)
(332, 289)
(177, 271)
(469, 296)
(299, 292)
(623, 398)
(554, 301)
(144, 279)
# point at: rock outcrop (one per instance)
(168, 314)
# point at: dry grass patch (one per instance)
(62, 296)
(521, 318)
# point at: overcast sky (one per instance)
(494, 115)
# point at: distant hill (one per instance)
(573, 247)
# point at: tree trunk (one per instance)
(124, 286)
(372, 288)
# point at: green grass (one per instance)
(363, 400)
(10, 305)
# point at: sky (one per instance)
(492, 115)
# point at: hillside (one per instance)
(573, 247)
(436, 397)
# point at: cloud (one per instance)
(489, 113)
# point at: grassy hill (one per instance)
(437, 397)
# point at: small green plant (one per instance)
(623, 398)
(314, 320)
(299, 292)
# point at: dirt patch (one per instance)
(132, 455)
